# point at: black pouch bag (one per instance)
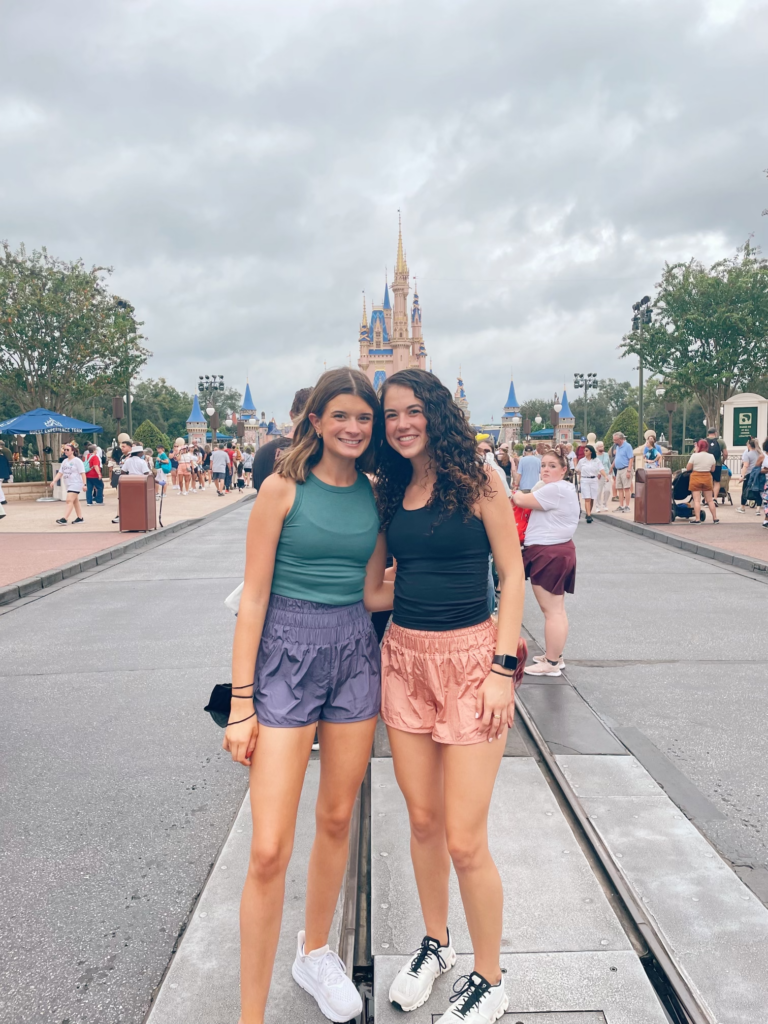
(219, 704)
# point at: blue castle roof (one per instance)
(377, 316)
(196, 416)
(247, 405)
(512, 402)
(386, 297)
(565, 412)
(378, 379)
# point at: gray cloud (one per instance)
(241, 166)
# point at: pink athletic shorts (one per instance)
(429, 680)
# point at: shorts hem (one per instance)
(444, 742)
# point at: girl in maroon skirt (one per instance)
(549, 555)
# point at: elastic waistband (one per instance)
(425, 641)
(322, 621)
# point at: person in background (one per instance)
(622, 463)
(248, 466)
(72, 472)
(764, 471)
(485, 448)
(652, 452)
(94, 485)
(162, 470)
(239, 470)
(148, 459)
(219, 463)
(266, 458)
(549, 555)
(580, 451)
(230, 467)
(528, 470)
(604, 482)
(589, 471)
(184, 471)
(571, 458)
(701, 464)
(174, 458)
(504, 460)
(716, 446)
(207, 479)
(749, 460)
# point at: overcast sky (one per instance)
(240, 163)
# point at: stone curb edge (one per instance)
(724, 557)
(23, 588)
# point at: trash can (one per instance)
(653, 496)
(136, 503)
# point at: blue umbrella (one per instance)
(43, 421)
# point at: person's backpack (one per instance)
(716, 450)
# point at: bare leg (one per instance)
(76, 504)
(344, 754)
(418, 763)
(555, 621)
(70, 504)
(696, 495)
(276, 777)
(470, 772)
(588, 506)
(710, 504)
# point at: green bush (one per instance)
(625, 423)
(151, 436)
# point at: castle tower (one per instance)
(387, 307)
(364, 341)
(417, 346)
(510, 431)
(460, 397)
(197, 428)
(249, 417)
(400, 340)
(566, 423)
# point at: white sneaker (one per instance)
(542, 668)
(322, 974)
(477, 1002)
(413, 983)
(541, 658)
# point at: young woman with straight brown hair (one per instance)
(305, 655)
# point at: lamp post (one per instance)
(669, 406)
(554, 417)
(208, 385)
(586, 381)
(642, 315)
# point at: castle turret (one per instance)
(387, 307)
(197, 428)
(249, 417)
(460, 397)
(400, 340)
(567, 421)
(510, 431)
(364, 340)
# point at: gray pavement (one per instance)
(116, 796)
(670, 643)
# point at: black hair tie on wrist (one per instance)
(240, 721)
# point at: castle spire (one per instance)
(400, 265)
(364, 321)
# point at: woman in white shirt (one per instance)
(604, 482)
(549, 555)
(72, 472)
(701, 463)
(589, 471)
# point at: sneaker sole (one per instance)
(554, 672)
(428, 993)
(539, 660)
(325, 1009)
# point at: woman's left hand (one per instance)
(493, 704)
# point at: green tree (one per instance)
(63, 336)
(625, 423)
(710, 335)
(160, 402)
(537, 407)
(151, 436)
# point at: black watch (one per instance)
(508, 661)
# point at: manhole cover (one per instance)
(565, 1017)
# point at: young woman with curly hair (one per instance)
(447, 675)
(305, 655)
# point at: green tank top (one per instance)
(326, 542)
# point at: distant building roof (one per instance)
(565, 412)
(248, 405)
(378, 379)
(512, 402)
(386, 297)
(196, 416)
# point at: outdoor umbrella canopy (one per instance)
(43, 421)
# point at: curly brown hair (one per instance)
(460, 470)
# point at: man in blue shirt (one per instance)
(528, 469)
(622, 463)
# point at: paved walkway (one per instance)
(31, 541)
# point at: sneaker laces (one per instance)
(472, 991)
(429, 947)
(331, 966)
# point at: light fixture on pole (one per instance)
(586, 381)
(642, 315)
(554, 416)
(671, 407)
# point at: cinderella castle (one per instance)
(389, 343)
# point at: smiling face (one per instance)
(346, 426)
(405, 424)
(551, 470)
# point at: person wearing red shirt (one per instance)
(228, 478)
(93, 481)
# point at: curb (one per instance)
(23, 588)
(703, 550)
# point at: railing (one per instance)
(27, 472)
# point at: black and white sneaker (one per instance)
(477, 1001)
(413, 983)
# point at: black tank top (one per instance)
(442, 571)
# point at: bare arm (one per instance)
(495, 696)
(525, 500)
(264, 526)
(378, 591)
(689, 467)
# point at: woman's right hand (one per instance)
(240, 738)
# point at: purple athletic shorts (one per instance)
(316, 662)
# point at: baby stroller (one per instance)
(725, 486)
(681, 497)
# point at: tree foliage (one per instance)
(63, 336)
(151, 436)
(710, 335)
(625, 423)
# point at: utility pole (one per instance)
(586, 381)
(642, 315)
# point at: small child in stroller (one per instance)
(681, 497)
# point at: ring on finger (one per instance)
(497, 716)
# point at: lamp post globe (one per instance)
(557, 407)
(210, 410)
(537, 420)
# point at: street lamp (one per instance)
(642, 315)
(554, 417)
(586, 381)
(209, 384)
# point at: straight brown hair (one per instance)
(307, 448)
